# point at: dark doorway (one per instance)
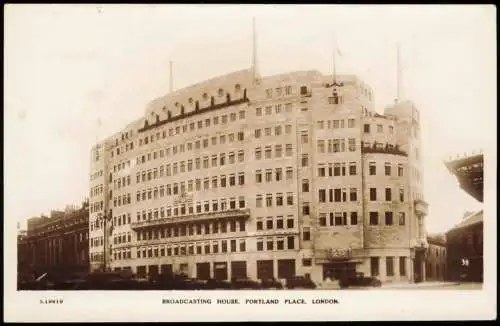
(338, 271)
(286, 268)
(203, 271)
(166, 269)
(141, 271)
(238, 269)
(220, 270)
(265, 269)
(153, 270)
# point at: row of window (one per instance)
(389, 266)
(175, 168)
(96, 175)
(96, 191)
(268, 174)
(269, 199)
(335, 145)
(178, 188)
(388, 218)
(97, 242)
(119, 150)
(212, 247)
(192, 126)
(334, 195)
(276, 243)
(279, 91)
(336, 169)
(217, 206)
(190, 229)
(121, 166)
(268, 131)
(97, 206)
(278, 151)
(380, 128)
(337, 219)
(122, 238)
(388, 194)
(372, 169)
(336, 124)
(277, 222)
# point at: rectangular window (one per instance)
(389, 266)
(322, 195)
(305, 160)
(288, 149)
(277, 130)
(372, 168)
(400, 170)
(260, 244)
(353, 194)
(258, 112)
(401, 195)
(388, 218)
(305, 185)
(258, 176)
(401, 218)
(290, 242)
(374, 266)
(373, 218)
(402, 266)
(306, 234)
(322, 219)
(387, 169)
(352, 144)
(366, 128)
(388, 194)
(354, 218)
(270, 244)
(257, 133)
(305, 208)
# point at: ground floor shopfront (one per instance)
(388, 265)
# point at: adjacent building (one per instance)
(465, 241)
(57, 244)
(250, 176)
(436, 258)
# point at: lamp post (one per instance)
(105, 218)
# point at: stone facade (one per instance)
(276, 172)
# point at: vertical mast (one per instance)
(254, 51)
(171, 78)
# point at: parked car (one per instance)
(359, 280)
(300, 282)
(270, 283)
(244, 283)
(214, 284)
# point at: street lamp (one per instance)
(105, 218)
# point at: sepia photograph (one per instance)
(301, 155)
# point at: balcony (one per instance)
(237, 213)
(381, 148)
(421, 207)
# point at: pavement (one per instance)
(409, 286)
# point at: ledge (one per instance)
(193, 113)
(192, 218)
(381, 148)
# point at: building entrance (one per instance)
(265, 269)
(203, 271)
(220, 271)
(238, 269)
(338, 271)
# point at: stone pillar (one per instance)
(275, 268)
(252, 268)
(410, 262)
(382, 269)
(422, 270)
(397, 272)
(229, 276)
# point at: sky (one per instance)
(69, 66)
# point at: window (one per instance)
(260, 225)
(277, 130)
(241, 179)
(304, 137)
(258, 201)
(241, 156)
(279, 199)
(322, 195)
(374, 266)
(352, 144)
(351, 123)
(270, 244)
(401, 218)
(288, 149)
(258, 153)
(242, 245)
(389, 266)
(267, 131)
(260, 244)
(269, 223)
(279, 222)
(321, 146)
(291, 242)
(305, 160)
(352, 168)
(269, 175)
(267, 152)
(289, 198)
(388, 218)
(388, 194)
(305, 185)
(402, 266)
(258, 111)
(401, 195)
(380, 128)
(400, 170)
(373, 194)
(278, 174)
(372, 168)
(306, 234)
(288, 129)
(269, 200)
(391, 129)
(305, 208)
(353, 194)
(258, 176)
(277, 151)
(366, 128)
(354, 218)
(388, 169)
(269, 110)
(257, 133)
(373, 218)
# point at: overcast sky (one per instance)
(66, 66)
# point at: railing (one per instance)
(195, 112)
(382, 148)
(192, 218)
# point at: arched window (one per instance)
(237, 88)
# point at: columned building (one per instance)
(57, 245)
(244, 176)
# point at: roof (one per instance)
(472, 219)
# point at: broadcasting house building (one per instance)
(250, 176)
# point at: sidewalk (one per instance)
(406, 285)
